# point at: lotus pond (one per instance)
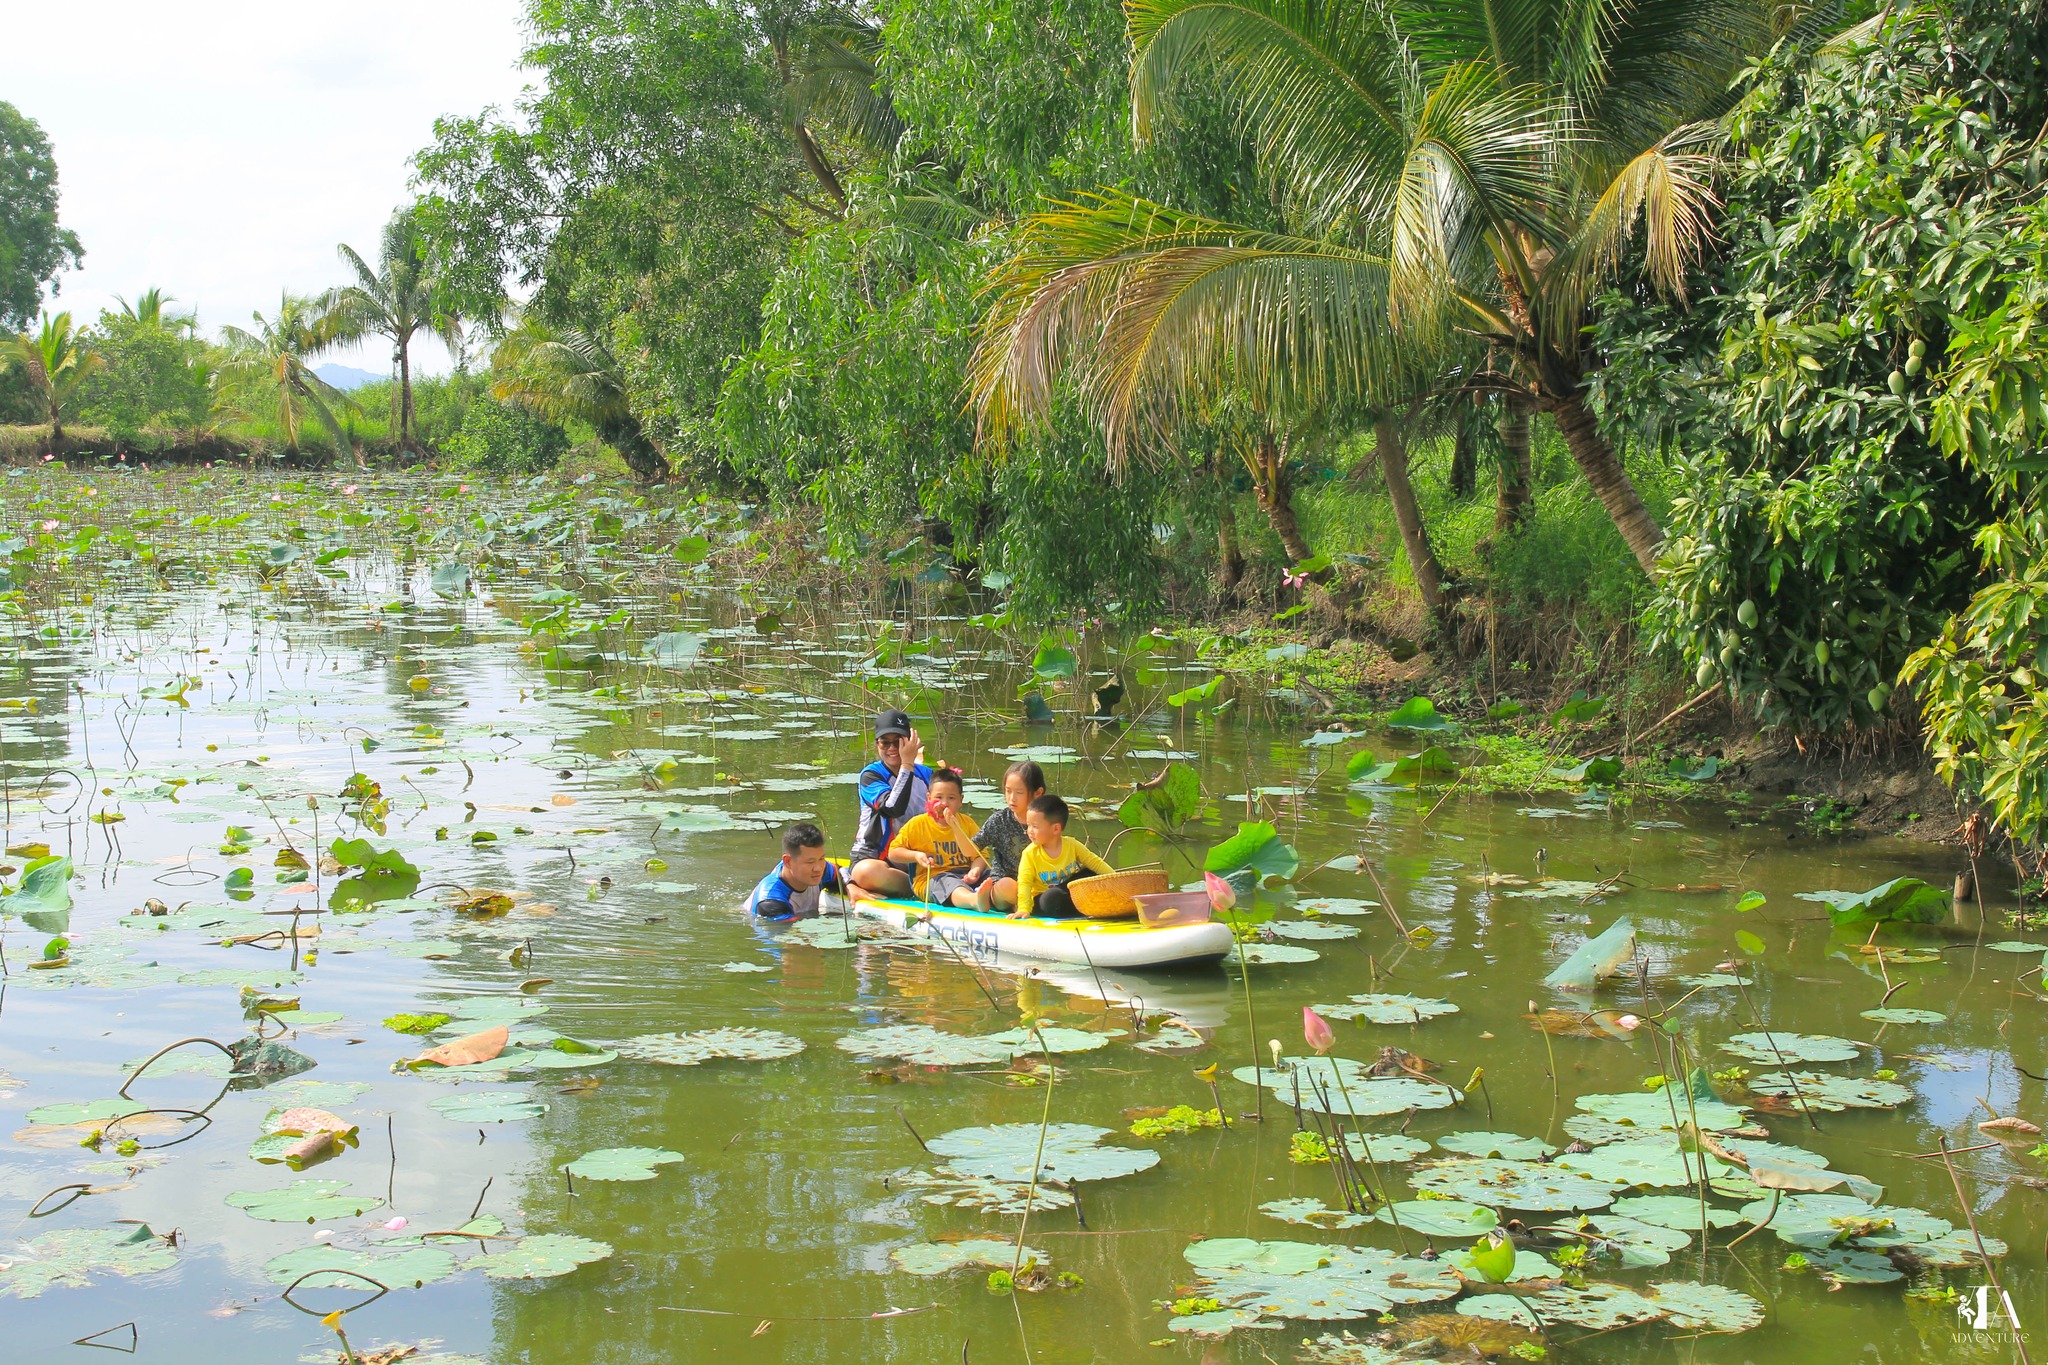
(335, 775)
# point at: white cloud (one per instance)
(222, 149)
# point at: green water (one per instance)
(771, 1239)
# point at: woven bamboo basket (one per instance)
(1109, 896)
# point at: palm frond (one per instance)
(1669, 190)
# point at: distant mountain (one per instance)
(345, 377)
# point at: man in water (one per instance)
(799, 881)
(892, 789)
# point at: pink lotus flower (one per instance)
(393, 1225)
(463, 488)
(49, 526)
(349, 489)
(1629, 1022)
(1294, 580)
(1222, 896)
(1316, 1030)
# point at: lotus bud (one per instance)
(1222, 895)
(1317, 1032)
(393, 1225)
(1629, 1022)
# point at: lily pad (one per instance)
(1338, 1085)
(1653, 1164)
(1830, 1094)
(1440, 1217)
(1637, 1245)
(1651, 1112)
(85, 1111)
(991, 1194)
(1274, 954)
(694, 1049)
(1067, 1152)
(621, 1163)
(1842, 1265)
(69, 1257)
(1313, 1213)
(923, 1045)
(490, 1106)
(1418, 714)
(1256, 849)
(1023, 1042)
(1388, 1009)
(304, 1201)
(1513, 1146)
(2013, 945)
(1319, 1283)
(1602, 1307)
(1217, 1325)
(1893, 1014)
(1780, 1049)
(541, 1257)
(1528, 1265)
(412, 1267)
(1384, 1147)
(1312, 931)
(943, 1258)
(1674, 1211)
(1903, 900)
(1528, 1185)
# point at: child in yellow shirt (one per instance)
(1051, 862)
(938, 848)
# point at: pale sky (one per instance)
(222, 148)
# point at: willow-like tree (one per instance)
(1450, 167)
(53, 362)
(396, 299)
(265, 376)
(568, 375)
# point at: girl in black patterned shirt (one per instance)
(1003, 839)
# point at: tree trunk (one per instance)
(1393, 456)
(1277, 500)
(405, 441)
(1597, 461)
(640, 454)
(1517, 477)
(1465, 456)
(1229, 554)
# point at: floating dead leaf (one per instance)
(69, 1137)
(582, 1085)
(386, 1355)
(311, 1121)
(1574, 1024)
(483, 904)
(310, 1150)
(561, 799)
(534, 983)
(2009, 1127)
(477, 1047)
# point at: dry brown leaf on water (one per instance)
(561, 799)
(385, 1355)
(312, 1121)
(1571, 1024)
(310, 1150)
(484, 904)
(2017, 1127)
(534, 983)
(477, 1047)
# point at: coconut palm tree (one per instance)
(397, 299)
(1444, 166)
(53, 362)
(265, 374)
(570, 375)
(150, 309)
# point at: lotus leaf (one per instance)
(1344, 1349)
(1219, 1324)
(1273, 954)
(1643, 1163)
(562, 1054)
(1411, 770)
(1440, 1217)
(1840, 1266)
(1830, 1094)
(694, 1049)
(1824, 1220)
(1336, 905)
(1673, 1211)
(306, 1018)
(1024, 1042)
(70, 1257)
(1638, 1245)
(1256, 848)
(943, 1258)
(674, 648)
(922, 1045)
(304, 1201)
(43, 896)
(1893, 1014)
(1957, 1249)
(85, 1111)
(541, 1257)
(1903, 900)
(826, 932)
(1602, 1307)
(1389, 1147)
(1311, 931)
(1170, 801)
(2013, 945)
(1418, 714)
(1644, 1110)
(1312, 1213)
(1780, 1049)
(1388, 1009)
(1298, 1280)
(1528, 1265)
(1511, 1145)
(1070, 1151)
(1599, 772)
(1528, 1185)
(946, 1186)
(414, 1267)
(621, 1163)
(1338, 1085)
(1596, 959)
(490, 1106)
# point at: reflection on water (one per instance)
(770, 1240)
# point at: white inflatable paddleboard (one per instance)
(1114, 944)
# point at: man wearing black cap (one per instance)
(892, 789)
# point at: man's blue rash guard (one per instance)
(887, 801)
(774, 898)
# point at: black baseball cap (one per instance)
(892, 723)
